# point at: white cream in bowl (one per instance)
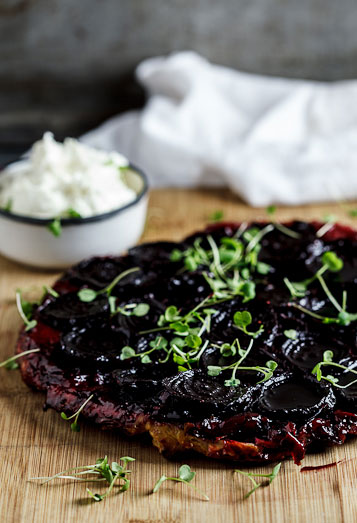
(65, 202)
(57, 177)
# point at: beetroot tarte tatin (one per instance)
(238, 342)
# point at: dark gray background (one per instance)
(66, 65)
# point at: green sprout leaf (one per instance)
(72, 213)
(227, 350)
(214, 370)
(176, 255)
(87, 295)
(185, 476)
(172, 314)
(242, 319)
(263, 268)
(217, 216)
(55, 227)
(270, 477)
(248, 291)
(270, 210)
(8, 206)
(159, 482)
(233, 382)
(127, 353)
(193, 341)
(332, 261)
(74, 426)
(291, 333)
(141, 310)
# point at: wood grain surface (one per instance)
(34, 443)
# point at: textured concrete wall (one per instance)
(64, 64)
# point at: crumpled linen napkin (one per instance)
(271, 140)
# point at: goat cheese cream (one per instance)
(59, 180)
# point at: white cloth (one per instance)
(271, 140)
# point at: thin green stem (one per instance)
(189, 485)
(13, 358)
(116, 280)
(328, 293)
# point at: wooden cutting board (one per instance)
(34, 443)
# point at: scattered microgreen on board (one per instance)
(11, 363)
(216, 216)
(251, 475)
(185, 475)
(101, 471)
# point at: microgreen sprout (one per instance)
(331, 262)
(233, 381)
(287, 231)
(329, 220)
(216, 216)
(55, 227)
(25, 310)
(242, 319)
(230, 264)
(183, 350)
(270, 477)
(130, 309)
(72, 213)
(74, 426)
(291, 334)
(328, 362)
(352, 213)
(128, 352)
(100, 471)
(11, 364)
(254, 235)
(8, 205)
(185, 475)
(271, 210)
(49, 290)
(87, 295)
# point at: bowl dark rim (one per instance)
(82, 221)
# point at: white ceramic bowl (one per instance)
(28, 240)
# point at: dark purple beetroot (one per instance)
(288, 397)
(68, 312)
(195, 386)
(154, 258)
(142, 380)
(95, 348)
(213, 357)
(288, 256)
(132, 324)
(187, 289)
(308, 348)
(97, 273)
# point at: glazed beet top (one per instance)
(236, 319)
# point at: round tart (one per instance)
(238, 342)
